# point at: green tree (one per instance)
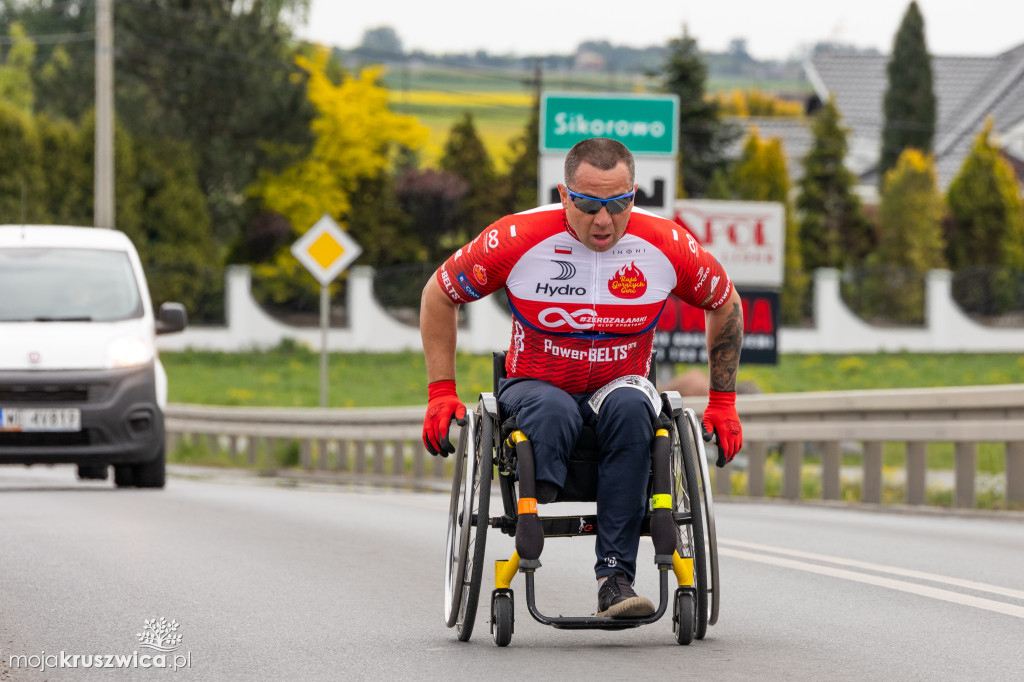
(703, 136)
(220, 75)
(985, 207)
(16, 84)
(910, 242)
(174, 240)
(909, 104)
(356, 138)
(22, 199)
(53, 67)
(380, 224)
(64, 156)
(761, 175)
(521, 181)
(834, 232)
(127, 193)
(465, 156)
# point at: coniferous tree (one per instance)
(910, 241)
(466, 157)
(761, 175)
(703, 136)
(985, 206)
(833, 230)
(521, 181)
(909, 104)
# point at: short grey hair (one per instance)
(602, 153)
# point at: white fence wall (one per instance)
(836, 330)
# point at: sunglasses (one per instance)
(593, 205)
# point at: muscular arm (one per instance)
(438, 329)
(725, 340)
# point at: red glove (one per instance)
(443, 406)
(720, 419)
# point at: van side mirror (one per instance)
(172, 318)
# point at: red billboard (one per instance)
(680, 333)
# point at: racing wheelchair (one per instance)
(679, 519)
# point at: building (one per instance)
(968, 90)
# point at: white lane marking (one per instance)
(879, 581)
(880, 568)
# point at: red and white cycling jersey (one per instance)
(582, 318)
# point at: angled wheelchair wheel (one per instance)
(710, 534)
(691, 493)
(467, 523)
(455, 557)
(478, 506)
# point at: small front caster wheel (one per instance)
(684, 617)
(502, 618)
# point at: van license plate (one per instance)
(46, 419)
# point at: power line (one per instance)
(52, 38)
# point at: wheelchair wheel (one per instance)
(684, 616)
(692, 539)
(710, 534)
(467, 523)
(502, 617)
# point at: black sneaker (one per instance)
(617, 599)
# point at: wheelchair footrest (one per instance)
(594, 622)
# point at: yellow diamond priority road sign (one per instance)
(326, 250)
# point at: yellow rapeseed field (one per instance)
(499, 118)
(467, 100)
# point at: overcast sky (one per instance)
(774, 29)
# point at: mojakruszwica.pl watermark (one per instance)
(159, 646)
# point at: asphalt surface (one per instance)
(269, 579)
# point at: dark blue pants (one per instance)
(552, 419)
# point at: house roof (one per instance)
(796, 135)
(967, 91)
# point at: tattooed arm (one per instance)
(725, 340)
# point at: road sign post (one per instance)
(325, 250)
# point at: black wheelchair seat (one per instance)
(581, 478)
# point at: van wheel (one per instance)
(123, 475)
(94, 472)
(150, 474)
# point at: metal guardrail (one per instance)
(383, 444)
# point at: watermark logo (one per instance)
(159, 635)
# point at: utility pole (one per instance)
(103, 179)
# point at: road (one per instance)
(267, 579)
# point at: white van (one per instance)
(80, 379)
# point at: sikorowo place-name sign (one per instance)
(646, 124)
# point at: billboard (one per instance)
(747, 237)
(680, 333)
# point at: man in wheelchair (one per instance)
(586, 280)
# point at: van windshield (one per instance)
(56, 284)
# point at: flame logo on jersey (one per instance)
(480, 273)
(628, 282)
